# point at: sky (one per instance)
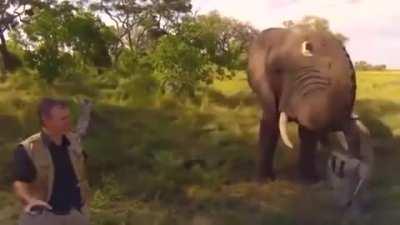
(372, 26)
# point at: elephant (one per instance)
(305, 76)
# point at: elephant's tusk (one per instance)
(342, 140)
(362, 127)
(360, 124)
(283, 121)
(354, 116)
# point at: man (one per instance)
(50, 177)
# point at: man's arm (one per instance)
(24, 174)
(21, 190)
(85, 106)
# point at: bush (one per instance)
(179, 66)
(133, 63)
(109, 192)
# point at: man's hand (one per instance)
(35, 206)
(84, 116)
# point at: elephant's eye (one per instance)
(307, 48)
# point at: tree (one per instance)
(137, 23)
(12, 13)
(179, 65)
(232, 39)
(315, 23)
(365, 66)
(59, 35)
(199, 50)
(90, 38)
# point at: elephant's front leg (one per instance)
(268, 137)
(307, 154)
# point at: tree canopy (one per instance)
(315, 23)
(160, 43)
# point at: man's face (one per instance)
(58, 122)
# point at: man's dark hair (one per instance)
(47, 104)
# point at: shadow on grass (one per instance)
(381, 117)
(242, 98)
(372, 112)
(157, 153)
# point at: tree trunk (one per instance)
(10, 61)
(3, 56)
(130, 42)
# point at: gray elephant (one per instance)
(305, 76)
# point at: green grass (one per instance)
(180, 162)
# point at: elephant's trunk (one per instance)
(307, 98)
(283, 122)
(317, 100)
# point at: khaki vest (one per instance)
(42, 186)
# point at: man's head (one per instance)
(54, 116)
